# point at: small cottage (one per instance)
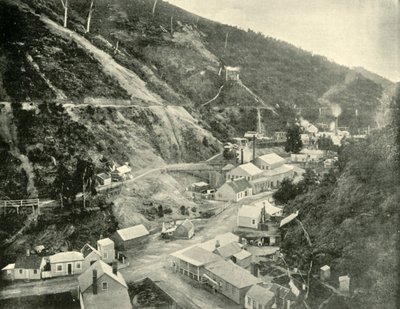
(235, 190)
(90, 255)
(259, 297)
(28, 267)
(121, 173)
(103, 179)
(184, 230)
(232, 73)
(106, 249)
(325, 273)
(130, 237)
(103, 287)
(66, 263)
(250, 216)
(199, 187)
(7, 272)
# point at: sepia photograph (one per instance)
(200, 154)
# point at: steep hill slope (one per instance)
(352, 221)
(180, 57)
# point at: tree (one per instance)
(84, 179)
(287, 191)
(293, 140)
(228, 154)
(63, 188)
(65, 6)
(89, 18)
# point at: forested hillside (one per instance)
(352, 218)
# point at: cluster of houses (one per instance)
(35, 267)
(223, 265)
(115, 173)
(264, 173)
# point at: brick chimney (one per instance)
(241, 156)
(94, 282)
(254, 148)
(115, 267)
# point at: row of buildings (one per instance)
(264, 173)
(36, 267)
(222, 265)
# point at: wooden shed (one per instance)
(184, 230)
(130, 237)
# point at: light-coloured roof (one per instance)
(344, 278)
(312, 152)
(105, 242)
(229, 68)
(260, 294)
(249, 211)
(123, 169)
(228, 250)
(200, 184)
(249, 169)
(289, 218)
(133, 232)
(196, 256)
(269, 208)
(228, 167)
(9, 267)
(223, 239)
(68, 256)
(85, 280)
(188, 225)
(325, 267)
(285, 168)
(232, 273)
(242, 254)
(271, 158)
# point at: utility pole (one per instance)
(226, 40)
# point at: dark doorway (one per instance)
(69, 269)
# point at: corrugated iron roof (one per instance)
(232, 273)
(242, 254)
(239, 185)
(261, 295)
(249, 211)
(271, 158)
(196, 256)
(86, 279)
(68, 256)
(133, 232)
(223, 239)
(188, 225)
(289, 218)
(249, 168)
(105, 242)
(9, 267)
(228, 250)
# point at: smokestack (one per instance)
(241, 156)
(94, 282)
(336, 125)
(115, 267)
(254, 148)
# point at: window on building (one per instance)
(104, 285)
(21, 271)
(105, 255)
(59, 267)
(253, 221)
(78, 265)
(35, 271)
(248, 301)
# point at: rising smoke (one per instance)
(336, 110)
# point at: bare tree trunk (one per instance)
(154, 6)
(65, 6)
(226, 40)
(83, 189)
(89, 19)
